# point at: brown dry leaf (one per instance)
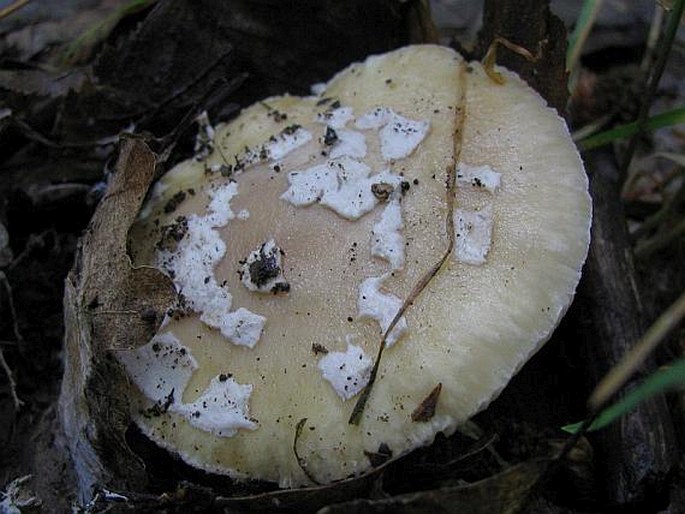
(426, 409)
(41, 82)
(504, 493)
(126, 305)
(39, 31)
(108, 305)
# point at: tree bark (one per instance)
(636, 454)
(530, 24)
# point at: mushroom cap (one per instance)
(345, 198)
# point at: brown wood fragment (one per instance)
(531, 25)
(637, 453)
(426, 409)
(420, 25)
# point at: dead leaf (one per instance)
(109, 305)
(41, 82)
(41, 33)
(504, 493)
(126, 304)
(426, 409)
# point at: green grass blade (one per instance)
(84, 43)
(659, 382)
(665, 119)
(581, 31)
(654, 76)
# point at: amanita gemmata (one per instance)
(414, 203)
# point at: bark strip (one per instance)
(638, 452)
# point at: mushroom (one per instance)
(414, 205)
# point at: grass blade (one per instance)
(622, 372)
(659, 382)
(83, 45)
(12, 8)
(576, 41)
(664, 119)
(654, 76)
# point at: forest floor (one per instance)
(58, 134)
